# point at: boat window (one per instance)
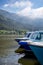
(33, 35)
(27, 35)
(42, 36)
(38, 37)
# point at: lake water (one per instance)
(8, 56)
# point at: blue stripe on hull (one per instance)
(25, 45)
(18, 40)
(38, 51)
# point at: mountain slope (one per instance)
(9, 24)
(12, 21)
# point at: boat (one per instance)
(24, 38)
(35, 42)
(23, 42)
(24, 45)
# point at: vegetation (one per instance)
(12, 32)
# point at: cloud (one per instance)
(25, 12)
(31, 12)
(37, 13)
(23, 3)
(25, 8)
(18, 4)
(8, 5)
(5, 5)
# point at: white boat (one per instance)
(26, 37)
(24, 45)
(35, 42)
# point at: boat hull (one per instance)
(38, 51)
(19, 39)
(25, 46)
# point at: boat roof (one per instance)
(39, 44)
(29, 32)
(39, 31)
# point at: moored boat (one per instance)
(26, 37)
(36, 44)
(24, 45)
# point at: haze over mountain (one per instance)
(12, 21)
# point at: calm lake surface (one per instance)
(8, 56)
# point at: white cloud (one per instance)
(25, 12)
(37, 13)
(25, 9)
(5, 5)
(23, 3)
(32, 13)
(18, 4)
(8, 5)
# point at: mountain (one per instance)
(9, 24)
(12, 21)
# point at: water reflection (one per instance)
(28, 59)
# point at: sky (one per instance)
(29, 8)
